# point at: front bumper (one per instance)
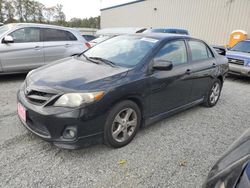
(49, 123)
(239, 70)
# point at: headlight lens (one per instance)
(77, 99)
(248, 64)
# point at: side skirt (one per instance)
(164, 115)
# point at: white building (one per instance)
(211, 20)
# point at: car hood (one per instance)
(238, 55)
(75, 73)
(229, 167)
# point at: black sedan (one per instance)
(107, 93)
(233, 169)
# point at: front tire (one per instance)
(213, 94)
(122, 124)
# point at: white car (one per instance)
(26, 46)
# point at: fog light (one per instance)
(70, 133)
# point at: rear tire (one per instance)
(213, 94)
(122, 124)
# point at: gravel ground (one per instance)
(197, 136)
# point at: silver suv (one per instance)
(26, 46)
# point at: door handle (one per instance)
(214, 65)
(188, 71)
(37, 48)
(67, 45)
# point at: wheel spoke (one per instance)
(118, 119)
(125, 134)
(117, 132)
(132, 123)
(129, 111)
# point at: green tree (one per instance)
(34, 11)
(1, 11)
(59, 15)
(9, 11)
(19, 9)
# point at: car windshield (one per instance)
(3, 29)
(123, 50)
(100, 39)
(243, 46)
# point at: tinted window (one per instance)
(243, 46)
(57, 35)
(199, 51)
(123, 50)
(88, 37)
(26, 35)
(174, 51)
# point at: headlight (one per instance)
(77, 99)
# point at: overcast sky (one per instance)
(82, 8)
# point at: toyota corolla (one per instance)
(107, 93)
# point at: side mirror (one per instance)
(8, 39)
(220, 50)
(162, 65)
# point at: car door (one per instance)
(57, 44)
(25, 53)
(203, 66)
(171, 89)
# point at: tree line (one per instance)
(12, 11)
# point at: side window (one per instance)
(57, 35)
(26, 34)
(199, 51)
(173, 51)
(70, 36)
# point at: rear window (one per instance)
(88, 37)
(57, 35)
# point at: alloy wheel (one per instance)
(215, 93)
(124, 125)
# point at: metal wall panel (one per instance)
(211, 20)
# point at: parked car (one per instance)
(239, 58)
(99, 40)
(119, 31)
(89, 37)
(107, 33)
(233, 169)
(26, 46)
(117, 86)
(168, 30)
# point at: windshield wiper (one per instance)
(89, 59)
(104, 61)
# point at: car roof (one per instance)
(163, 36)
(169, 28)
(40, 25)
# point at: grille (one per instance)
(235, 61)
(38, 97)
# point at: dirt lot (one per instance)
(198, 136)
